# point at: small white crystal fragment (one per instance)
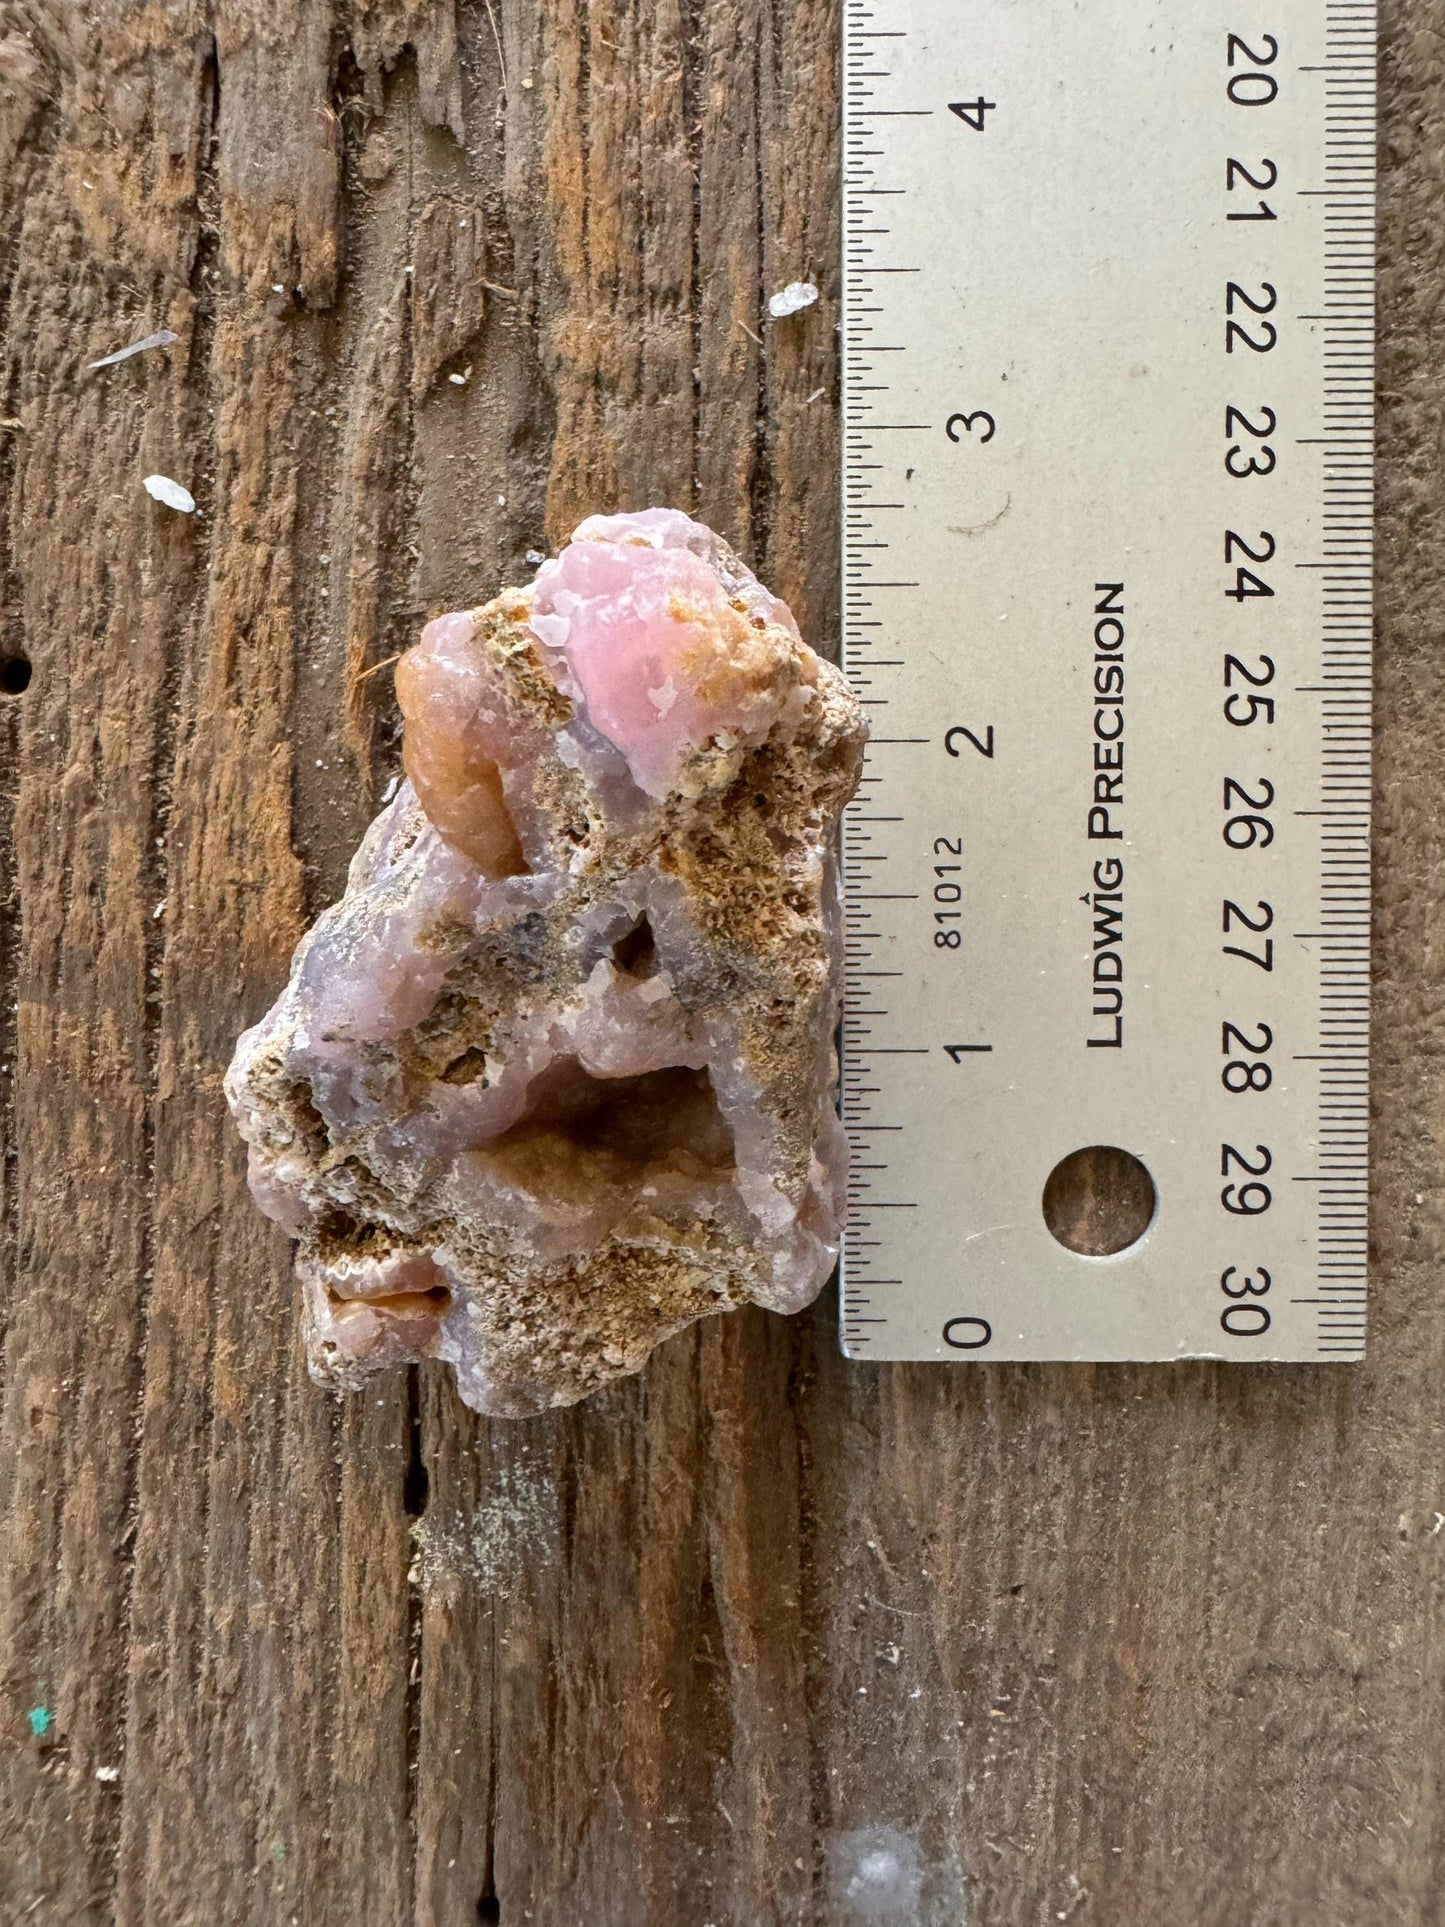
(163, 489)
(792, 299)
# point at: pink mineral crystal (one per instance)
(555, 1077)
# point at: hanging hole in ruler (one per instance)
(1099, 1201)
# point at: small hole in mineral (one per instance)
(636, 953)
(489, 1910)
(466, 1069)
(309, 1121)
(14, 675)
(1099, 1201)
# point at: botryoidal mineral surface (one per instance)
(556, 1076)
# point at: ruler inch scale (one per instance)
(1108, 430)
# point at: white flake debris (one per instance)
(108, 1775)
(461, 380)
(162, 338)
(792, 299)
(163, 489)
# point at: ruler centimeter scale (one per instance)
(1108, 432)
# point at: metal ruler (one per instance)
(1108, 334)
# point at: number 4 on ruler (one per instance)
(971, 112)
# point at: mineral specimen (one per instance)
(556, 1076)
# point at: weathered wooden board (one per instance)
(1111, 1645)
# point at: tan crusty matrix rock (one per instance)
(556, 1076)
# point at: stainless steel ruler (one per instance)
(1108, 333)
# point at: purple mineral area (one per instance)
(555, 1078)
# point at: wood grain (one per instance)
(1099, 1644)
